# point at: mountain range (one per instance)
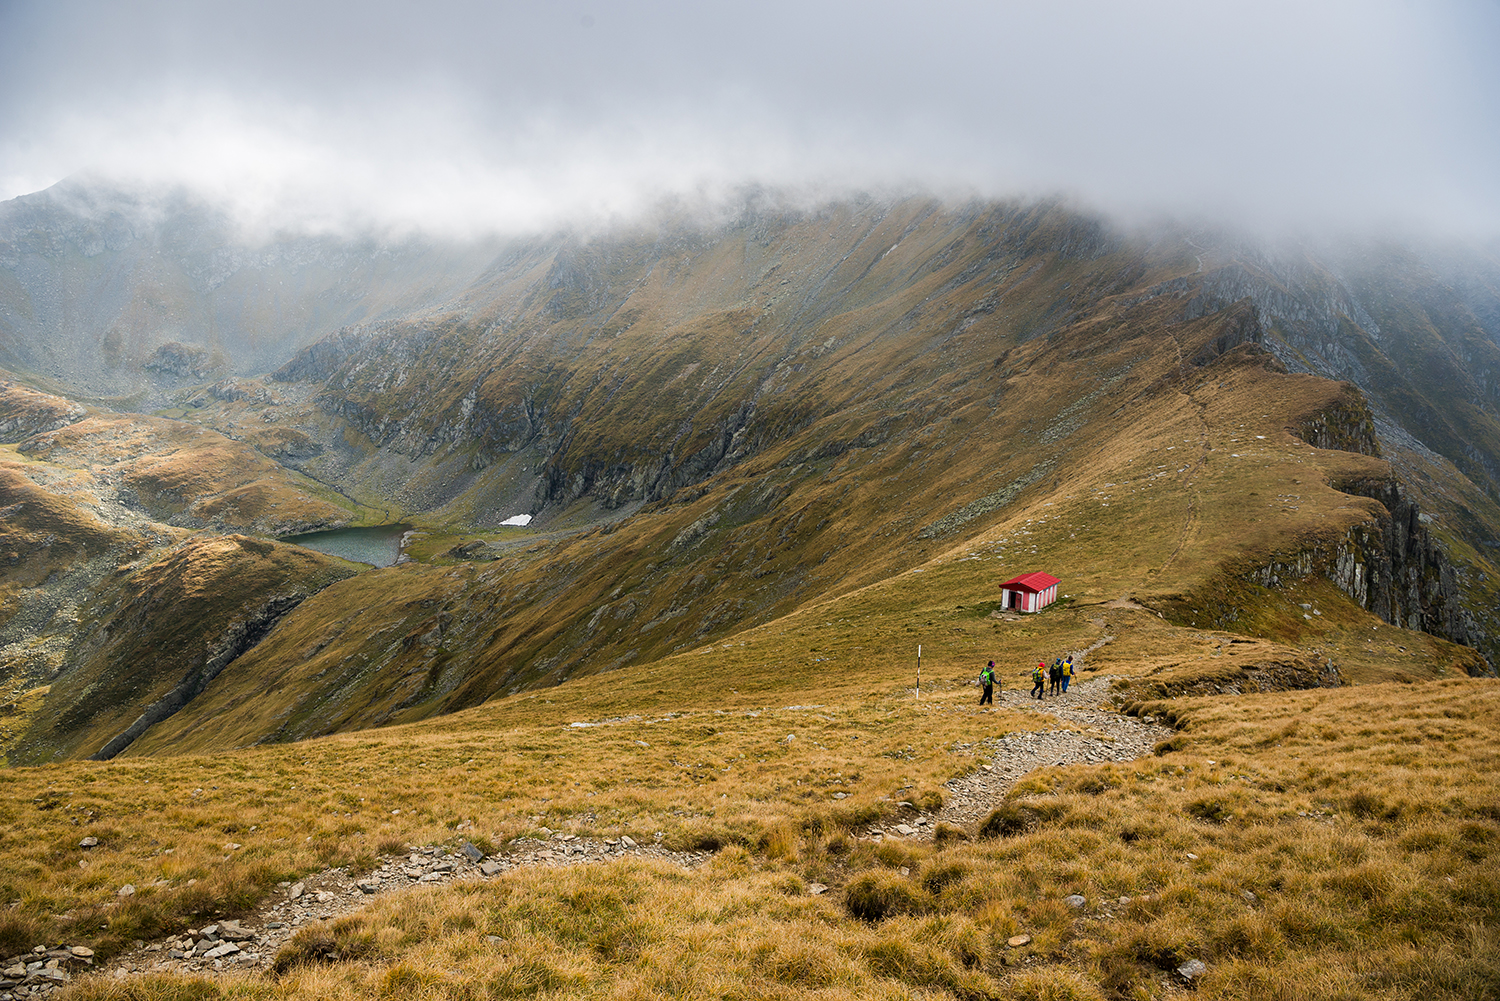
(713, 424)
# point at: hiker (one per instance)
(1038, 678)
(1054, 676)
(1067, 673)
(987, 679)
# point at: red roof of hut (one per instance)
(1037, 581)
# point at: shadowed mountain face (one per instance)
(112, 294)
(716, 426)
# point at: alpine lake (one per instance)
(378, 545)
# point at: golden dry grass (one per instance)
(703, 778)
(1341, 843)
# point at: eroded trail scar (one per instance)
(1091, 732)
(251, 944)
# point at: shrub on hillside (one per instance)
(1052, 985)
(345, 939)
(18, 933)
(1211, 809)
(922, 966)
(946, 834)
(876, 896)
(941, 873)
(929, 800)
(1007, 821)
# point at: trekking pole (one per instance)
(919, 672)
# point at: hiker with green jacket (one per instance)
(987, 679)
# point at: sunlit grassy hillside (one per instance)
(1343, 839)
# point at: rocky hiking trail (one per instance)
(1096, 732)
(1091, 731)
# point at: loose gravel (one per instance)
(1095, 732)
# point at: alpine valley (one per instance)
(765, 453)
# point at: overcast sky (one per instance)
(458, 117)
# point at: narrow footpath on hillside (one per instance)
(1094, 733)
(1088, 731)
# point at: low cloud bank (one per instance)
(462, 119)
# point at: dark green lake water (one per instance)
(378, 546)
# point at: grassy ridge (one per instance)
(695, 747)
(178, 618)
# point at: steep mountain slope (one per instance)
(164, 635)
(92, 508)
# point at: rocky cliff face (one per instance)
(1393, 567)
(1347, 425)
(1396, 569)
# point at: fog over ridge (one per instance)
(463, 118)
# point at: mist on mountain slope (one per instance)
(475, 117)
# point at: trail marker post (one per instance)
(919, 672)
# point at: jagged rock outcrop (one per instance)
(1393, 567)
(25, 412)
(1241, 325)
(1348, 425)
(184, 361)
(1397, 570)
